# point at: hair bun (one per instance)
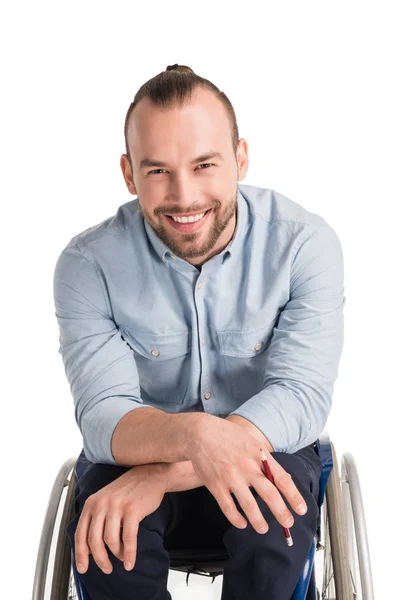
(180, 68)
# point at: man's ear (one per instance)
(127, 174)
(242, 158)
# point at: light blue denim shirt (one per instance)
(258, 332)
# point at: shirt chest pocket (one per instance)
(244, 356)
(162, 362)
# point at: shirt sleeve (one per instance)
(99, 364)
(302, 360)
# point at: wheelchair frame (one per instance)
(341, 535)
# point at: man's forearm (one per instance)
(148, 435)
(180, 476)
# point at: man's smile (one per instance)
(185, 226)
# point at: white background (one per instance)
(314, 89)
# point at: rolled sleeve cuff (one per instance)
(98, 425)
(285, 434)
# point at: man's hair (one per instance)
(174, 87)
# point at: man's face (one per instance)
(189, 180)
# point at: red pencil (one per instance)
(268, 474)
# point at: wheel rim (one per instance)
(61, 582)
(72, 593)
(336, 584)
(356, 527)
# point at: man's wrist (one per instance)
(252, 429)
(173, 477)
(158, 471)
(190, 427)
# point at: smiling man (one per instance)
(216, 308)
(190, 199)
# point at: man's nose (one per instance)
(182, 193)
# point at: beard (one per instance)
(187, 245)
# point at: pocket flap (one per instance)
(247, 343)
(158, 347)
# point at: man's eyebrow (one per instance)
(150, 162)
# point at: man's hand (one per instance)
(251, 428)
(123, 503)
(226, 458)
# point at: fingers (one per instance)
(95, 530)
(81, 546)
(250, 507)
(274, 500)
(112, 535)
(96, 543)
(269, 492)
(129, 537)
(90, 536)
(228, 507)
(284, 483)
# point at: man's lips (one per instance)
(189, 227)
(192, 214)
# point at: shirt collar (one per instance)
(233, 246)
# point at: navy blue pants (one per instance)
(260, 566)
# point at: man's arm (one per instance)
(180, 476)
(251, 428)
(302, 360)
(151, 435)
(103, 376)
(101, 368)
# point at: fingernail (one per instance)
(80, 567)
(128, 566)
(302, 509)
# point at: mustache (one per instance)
(177, 211)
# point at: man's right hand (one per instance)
(227, 459)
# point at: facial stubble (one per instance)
(185, 245)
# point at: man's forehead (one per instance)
(147, 146)
(206, 110)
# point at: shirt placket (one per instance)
(205, 380)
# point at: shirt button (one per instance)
(257, 346)
(155, 352)
(207, 395)
(199, 285)
(203, 341)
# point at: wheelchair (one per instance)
(337, 567)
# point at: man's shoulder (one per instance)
(110, 230)
(270, 206)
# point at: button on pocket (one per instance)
(162, 362)
(245, 358)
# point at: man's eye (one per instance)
(201, 165)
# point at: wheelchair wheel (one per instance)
(356, 529)
(336, 582)
(62, 582)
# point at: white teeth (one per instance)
(189, 219)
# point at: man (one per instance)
(225, 329)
